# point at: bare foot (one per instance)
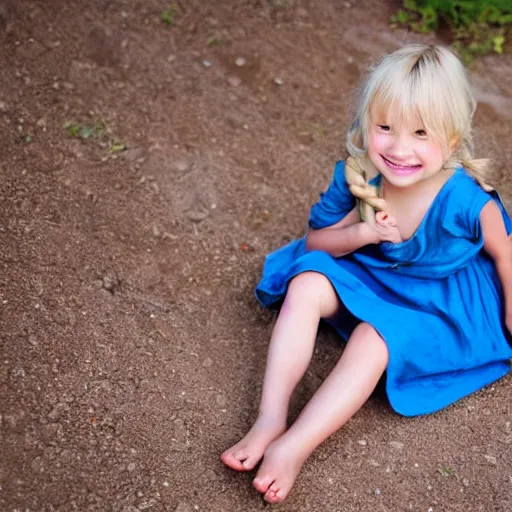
(278, 471)
(245, 454)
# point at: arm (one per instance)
(499, 247)
(344, 237)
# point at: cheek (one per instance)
(375, 143)
(433, 153)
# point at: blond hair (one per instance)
(429, 82)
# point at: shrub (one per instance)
(477, 26)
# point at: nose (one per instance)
(400, 148)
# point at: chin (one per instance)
(401, 181)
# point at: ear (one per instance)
(453, 144)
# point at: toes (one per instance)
(233, 460)
(262, 484)
(274, 494)
(249, 463)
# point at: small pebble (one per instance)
(207, 362)
(278, 80)
(207, 64)
(234, 81)
(196, 216)
(490, 459)
(182, 165)
(397, 445)
(377, 492)
(18, 372)
(240, 61)
(183, 507)
(362, 442)
(465, 482)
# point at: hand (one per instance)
(386, 229)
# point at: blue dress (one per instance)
(435, 299)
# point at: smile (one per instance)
(401, 169)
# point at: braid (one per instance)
(478, 168)
(367, 195)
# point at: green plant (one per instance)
(477, 26)
(84, 131)
(116, 147)
(169, 14)
(96, 131)
(215, 39)
(446, 471)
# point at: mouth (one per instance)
(402, 169)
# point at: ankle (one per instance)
(299, 449)
(270, 418)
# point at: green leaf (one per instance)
(429, 18)
(446, 471)
(402, 16)
(117, 147)
(411, 4)
(498, 42)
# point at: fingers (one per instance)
(384, 219)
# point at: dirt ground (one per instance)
(132, 346)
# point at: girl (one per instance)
(422, 289)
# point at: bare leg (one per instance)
(344, 391)
(310, 297)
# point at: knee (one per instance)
(308, 284)
(365, 336)
(313, 289)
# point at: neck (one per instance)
(433, 183)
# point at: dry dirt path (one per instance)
(132, 347)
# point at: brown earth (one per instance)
(132, 346)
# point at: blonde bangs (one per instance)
(403, 100)
(418, 83)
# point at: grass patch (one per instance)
(84, 131)
(216, 39)
(477, 27)
(446, 471)
(169, 15)
(97, 132)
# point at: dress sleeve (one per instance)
(475, 200)
(335, 203)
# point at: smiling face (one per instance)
(404, 151)
(414, 115)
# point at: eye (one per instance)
(384, 127)
(421, 133)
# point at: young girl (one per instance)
(421, 289)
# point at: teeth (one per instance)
(402, 165)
